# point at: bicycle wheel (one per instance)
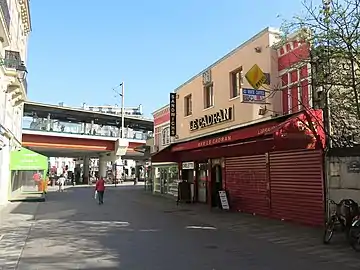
(354, 234)
(329, 230)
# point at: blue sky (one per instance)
(79, 49)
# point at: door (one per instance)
(216, 185)
(201, 182)
(247, 184)
(297, 190)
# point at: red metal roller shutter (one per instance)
(246, 181)
(296, 183)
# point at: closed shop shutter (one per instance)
(296, 183)
(247, 184)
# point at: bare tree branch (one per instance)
(334, 38)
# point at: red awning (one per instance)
(164, 155)
(239, 134)
(276, 127)
(297, 127)
(261, 129)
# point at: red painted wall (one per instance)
(162, 119)
(161, 116)
(295, 85)
(289, 58)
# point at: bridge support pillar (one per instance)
(102, 166)
(86, 168)
(119, 168)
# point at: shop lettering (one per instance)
(221, 116)
(265, 130)
(172, 114)
(214, 141)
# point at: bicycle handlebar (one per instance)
(338, 204)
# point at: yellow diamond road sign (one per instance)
(255, 77)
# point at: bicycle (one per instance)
(345, 211)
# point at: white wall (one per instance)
(11, 115)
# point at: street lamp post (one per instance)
(122, 110)
(122, 136)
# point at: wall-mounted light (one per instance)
(22, 71)
(258, 49)
(262, 111)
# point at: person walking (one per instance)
(61, 182)
(100, 189)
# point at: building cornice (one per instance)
(25, 15)
(161, 109)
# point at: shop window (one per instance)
(157, 136)
(236, 81)
(208, 96)
(188, 105)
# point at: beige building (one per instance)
(220, 96)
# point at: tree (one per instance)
(331, 29)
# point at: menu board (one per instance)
(224, 200)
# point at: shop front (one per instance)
(28, 171)
(273, 168)
(165, 178)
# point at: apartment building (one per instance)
(15, 27)
(240, 128)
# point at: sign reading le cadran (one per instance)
(220, 116)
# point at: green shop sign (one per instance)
(27, 160)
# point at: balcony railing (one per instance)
(12, 59)
(6, 13)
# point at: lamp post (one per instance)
(122, 119)
(122, 107)
(122, 110)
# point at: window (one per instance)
(187, 105)
(236, 78)
(157, 136)
(208, 96)
(165, 136)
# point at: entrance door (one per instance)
(202, 181)
(216, 185)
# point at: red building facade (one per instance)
(294, 70)
(161, 127)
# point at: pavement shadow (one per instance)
(72, 232)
